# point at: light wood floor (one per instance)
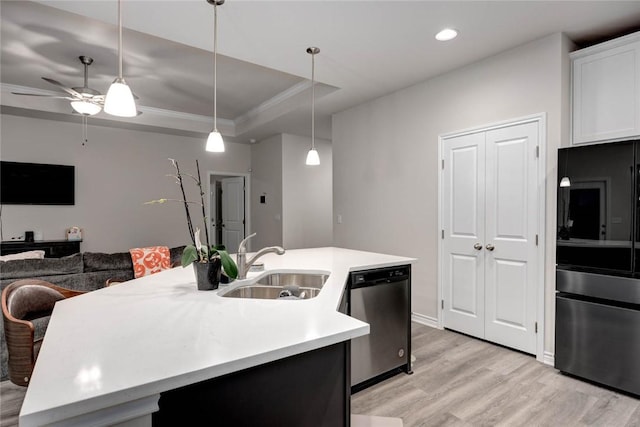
(461, 381)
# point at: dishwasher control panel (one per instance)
(382, 275)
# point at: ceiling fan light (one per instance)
(85, 107)
(215, 144)
(119, 100)
(313, 159)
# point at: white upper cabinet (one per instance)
(606, 91)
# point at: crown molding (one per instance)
(284, 102)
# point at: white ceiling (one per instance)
(368, 49)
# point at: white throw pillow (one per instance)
(23, 255)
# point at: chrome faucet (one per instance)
(244, 264)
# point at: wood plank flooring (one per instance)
(461, 381)
(11, 397)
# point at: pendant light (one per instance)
(215, 144)
(119, 100)
(313, 159)
(565, 181)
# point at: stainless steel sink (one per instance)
(270, 292)
(303, 280)
(281, 286)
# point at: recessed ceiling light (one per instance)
(446, 34)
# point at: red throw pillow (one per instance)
(150, 260)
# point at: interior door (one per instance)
(511, 199)
(463, 222)
(213, 208)
(232, 212)
(490, 220)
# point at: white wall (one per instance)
(307, 199)
(298, 208)
(386, 156)
(116, 172)
(266, 180)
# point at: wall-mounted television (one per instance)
(36, 184)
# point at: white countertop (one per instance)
(137, 339)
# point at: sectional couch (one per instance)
(87, 271)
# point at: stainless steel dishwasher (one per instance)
(380, 297)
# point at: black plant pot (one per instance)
(208, 274)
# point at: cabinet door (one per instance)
(463, 221)
(606, 94)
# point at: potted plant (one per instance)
(209, 261)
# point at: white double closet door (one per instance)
(490, 221)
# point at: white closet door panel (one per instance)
(511, 227)
(507, 201)
(463, 265)
(464, 288)
(465, 191)
(511, 279)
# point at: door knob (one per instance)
(490, 247)
(477, 246)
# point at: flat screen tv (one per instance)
(36, 184)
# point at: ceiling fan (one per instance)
(84, 100)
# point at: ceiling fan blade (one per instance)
(63, 87)
(44, 96)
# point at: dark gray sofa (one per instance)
(87, 271)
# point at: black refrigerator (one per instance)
(597, 332)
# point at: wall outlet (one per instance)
(339, 219)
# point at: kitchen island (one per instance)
(109, 356)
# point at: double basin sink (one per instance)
(290, 286)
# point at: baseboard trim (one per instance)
(548, 358)
(425, 320)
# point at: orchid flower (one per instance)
(202, 252)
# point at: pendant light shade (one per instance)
(119, 100)
(565, 182)
(215, 143)
(313, 159)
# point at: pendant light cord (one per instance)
(120, 39)
(215, 66)
(313, 101)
